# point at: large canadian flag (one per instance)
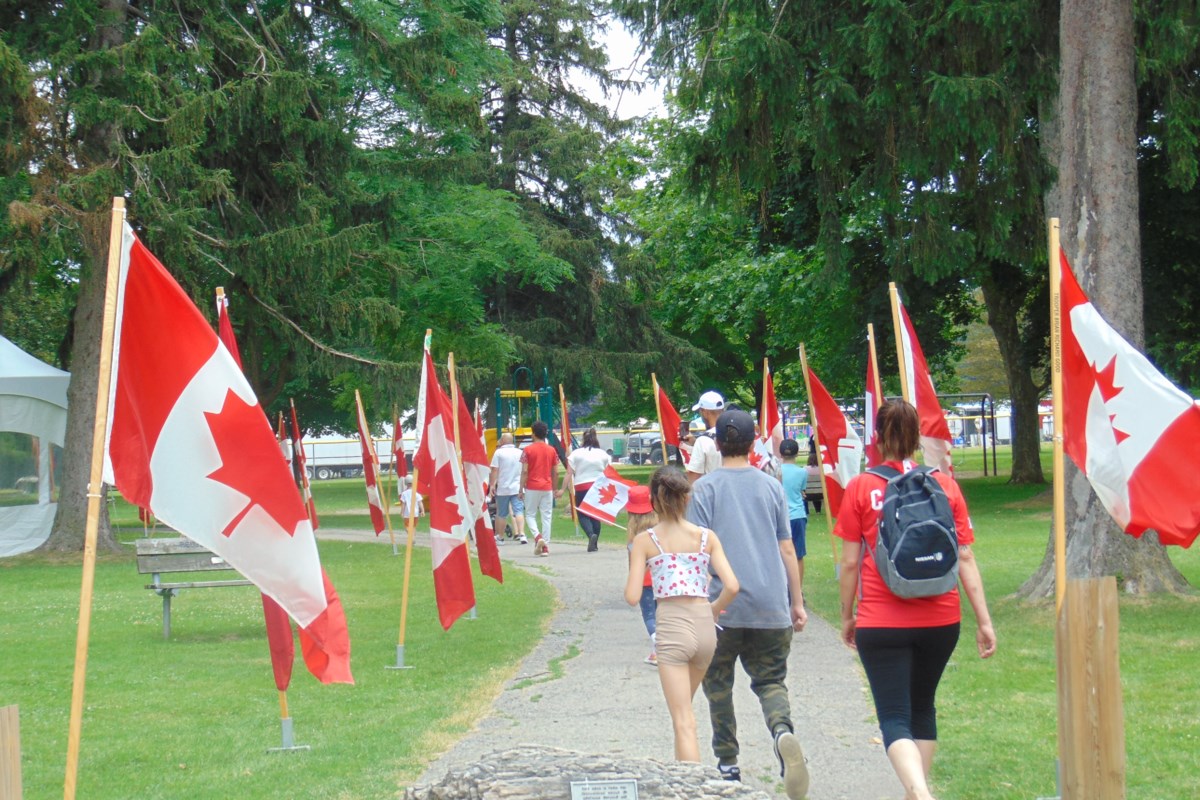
(370, 468)
(476, 472)
(450, 515)
(607, 496)
(1129, 429)
(935, 433)
(187, 439)
(841, 449)
(872, 399)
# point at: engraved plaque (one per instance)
(618, 789)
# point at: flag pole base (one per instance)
(289, 743)
(395, 550)
(471, 614)
(399, 659)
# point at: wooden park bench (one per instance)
(162, 556)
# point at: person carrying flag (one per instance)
(584, 466)
(705, 456)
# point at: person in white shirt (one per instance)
(406, 497)
(584, 466)
(505, 484)
(705, 457)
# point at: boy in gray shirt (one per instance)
(748, 510)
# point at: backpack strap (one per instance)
(884, 471)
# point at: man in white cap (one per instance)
(705, 457)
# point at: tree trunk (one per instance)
(1098, 207)
(1004, 309)
(98, 152)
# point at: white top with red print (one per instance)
(679, 574)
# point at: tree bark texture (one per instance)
(1098, 210)
(98, 151)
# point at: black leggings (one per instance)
(590, 525)
(903, 666)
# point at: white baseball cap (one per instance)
(710, 401)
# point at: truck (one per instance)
(337, 457)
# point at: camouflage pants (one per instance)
(764, 656)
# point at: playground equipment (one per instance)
(516, 410)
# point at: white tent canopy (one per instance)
(33, 401)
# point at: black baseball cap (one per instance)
(735, 425)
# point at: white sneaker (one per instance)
(792, 765)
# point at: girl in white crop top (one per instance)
(680, 557)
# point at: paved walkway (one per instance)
(608, 701)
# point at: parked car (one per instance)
(646, 448)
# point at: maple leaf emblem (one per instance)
(1106, 384)
(444, 513)
(252, 465)
(608, 493)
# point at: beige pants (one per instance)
(684, 631)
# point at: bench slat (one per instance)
(197, 584)
(184, 562)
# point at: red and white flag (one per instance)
(300, 465)
(399, 462)
(935, 433)
(872, 400)
(1129, 429)
(450, 514)
(370, 468)
(669, 422)
(187, 439)
(476, 471)
(766, 447)
(841, 449)
(607, 496)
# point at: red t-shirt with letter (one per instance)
(541, 459)
(859, 520)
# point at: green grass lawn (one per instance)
(193, 717)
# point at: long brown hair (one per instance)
(899, 430)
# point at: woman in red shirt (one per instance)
(904, 644)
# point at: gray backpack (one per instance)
(917, 548)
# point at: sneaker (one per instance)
(522, 540)
(652, 659)
(730, 772)
(545, 550)
(792, 765)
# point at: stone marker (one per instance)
(546, 773)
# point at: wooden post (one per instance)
(10, 753)
(411, 523)
(812, 415)
(906, 391)
(1091, 717)
(95, 487)
(1056, 384)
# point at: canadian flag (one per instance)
(476, 472)
(450, 514)
(1128, 428)
(399, 462)
(669, 422)
(935, 433)
(370, 468)
(872, 399)
(301, 468)
(841, 449)
(607, 496)
(766, 447)
(187, 439)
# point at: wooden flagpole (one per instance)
(874, 363)
(95, 487)
(812, 414)
(411, 527)
(898, 325)
(562, 404)
(1056, 384)
(458, 454)
(658, 413)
